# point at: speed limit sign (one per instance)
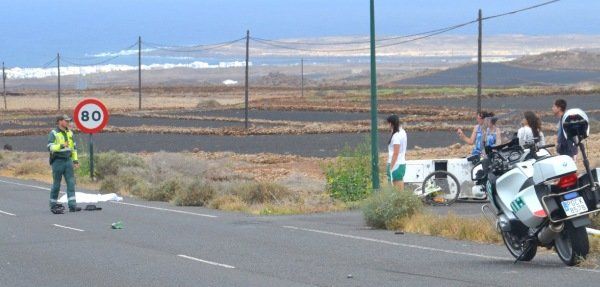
(90, 116)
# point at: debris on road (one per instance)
(117, 225)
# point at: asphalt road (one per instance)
(162, 245)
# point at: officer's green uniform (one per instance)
(63, 153)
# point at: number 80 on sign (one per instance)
(90, 116)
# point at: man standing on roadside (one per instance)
(63, 158)
(563, 146)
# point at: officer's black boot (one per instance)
(57, 209)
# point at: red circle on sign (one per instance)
(78, 122)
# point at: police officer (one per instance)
(63, 158)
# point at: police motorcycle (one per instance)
(538, 199)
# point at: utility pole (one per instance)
(58, 68)
(4, 86)
(246, 92)
(374, 130)
(139, 72)
(479, 64)
(302, 77)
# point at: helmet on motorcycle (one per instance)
(575, 124)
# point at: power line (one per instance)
(91, 64)
(419, 36)
(47, 64)
(93, 58)
(365, 41)
(520, 10)
(437, 32)
(191, 49)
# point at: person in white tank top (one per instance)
(396, 164)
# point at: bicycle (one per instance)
(439, 188)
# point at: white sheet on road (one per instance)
(91, 198)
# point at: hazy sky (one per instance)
(41, 27)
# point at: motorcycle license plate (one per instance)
(574, 206)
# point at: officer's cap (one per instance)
(63, 117)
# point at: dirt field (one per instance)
(210, 119)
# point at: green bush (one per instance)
(349, 177)
(109, 164)
(388, 205)
(196, 193)
(259, 192)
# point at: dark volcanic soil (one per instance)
(536, 103)
(306, 145)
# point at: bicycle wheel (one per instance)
(440, 188)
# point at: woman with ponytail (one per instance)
(396, 164)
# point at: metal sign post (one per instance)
(91, 148)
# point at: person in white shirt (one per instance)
(531, 130)
(396, 164)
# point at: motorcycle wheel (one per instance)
(572, 245)
(516, 247)
(444, 184)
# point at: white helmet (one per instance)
(576, 124)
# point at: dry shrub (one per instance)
(476, 229)
(165, 165)
(229, 203)
(130, 177)
(222, 173)
(596, 221)
(271, 209)
(298, 208)
(259, 192)
(112, 163)
(386, 206)
(196, 193)
(140, 188)
(30, 167)
(110, 185)
(208, 104)
(595, 245)
(593, 259)
(163, 191)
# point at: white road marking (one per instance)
(123, 203)
(165, 209)
(423, 247)
(27, 185)
(396, 243)
(7, 213)
(206, 261)
(70, 228)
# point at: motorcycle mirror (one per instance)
(575, 123)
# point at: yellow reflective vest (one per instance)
(62, 145)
